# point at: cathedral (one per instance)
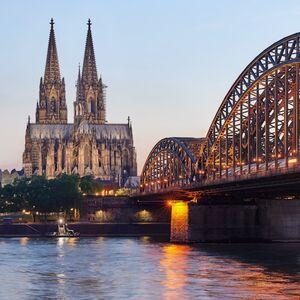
(88, 146)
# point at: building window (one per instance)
(115, 158)
(87, 156)
(52, 105)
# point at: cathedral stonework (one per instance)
(89, 145)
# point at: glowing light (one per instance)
(24, 241)
(180, 207)
(292, 161)
(61, 221)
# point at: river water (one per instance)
(142, 268)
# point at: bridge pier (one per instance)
(260, 220)
(179, 222)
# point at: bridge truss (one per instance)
(172, 162)
(255, 130)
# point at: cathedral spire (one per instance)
(52, 106)
(79, 90)
(90, 98)
(89, 69)
(52, 73)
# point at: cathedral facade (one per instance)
(89, 145)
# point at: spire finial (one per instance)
(89, 69)
(52, 73)
(89, 23)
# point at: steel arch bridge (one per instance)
(172, 162)
(256, 128)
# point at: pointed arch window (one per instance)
(93, 106)
(53, 105)
(89, 106)
(87, 156)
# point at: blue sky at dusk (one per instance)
(167, 64)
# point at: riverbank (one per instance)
(88, 229)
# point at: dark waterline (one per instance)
(142, 268)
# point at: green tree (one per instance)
(66, 193)
(40, 196)
(21, 189)
(88, 185)
(7, 199)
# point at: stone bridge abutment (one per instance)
(261, 220)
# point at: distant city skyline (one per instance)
(167, 65)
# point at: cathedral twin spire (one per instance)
(52, 73)
(90, 100)
(89, 69)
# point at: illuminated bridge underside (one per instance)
(256, 128)
(171, 163)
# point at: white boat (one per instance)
(62, 231)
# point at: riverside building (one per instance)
(87, 146)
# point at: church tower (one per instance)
(90, 145)
(52, 108)
(90, 98)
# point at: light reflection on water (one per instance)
(129, 268)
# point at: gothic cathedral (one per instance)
(89, 146)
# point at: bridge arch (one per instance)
(256, 128)
(171, 162)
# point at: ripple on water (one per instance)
(119, 268)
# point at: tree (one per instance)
(88, 185)
(7, 199)
(21, 194)
(66, 192)
(41, 195)
(40, 199)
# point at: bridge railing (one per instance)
(233, 178)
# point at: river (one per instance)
(142, 268)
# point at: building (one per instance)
(89, 145)
(7, 177)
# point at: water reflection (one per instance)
(227, 270)
(128, 268)
(24, 241)
(174, 263)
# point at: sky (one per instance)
(167, 64)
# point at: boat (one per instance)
(62, 231)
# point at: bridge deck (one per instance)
(286, 184)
